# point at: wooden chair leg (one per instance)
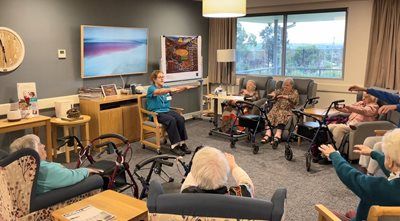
(158, 139)
(66, 147)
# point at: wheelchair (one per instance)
(316, 132)
(115, 172)
(253, 123)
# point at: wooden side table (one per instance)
(123, 207)
(67, 125)
(35, 123)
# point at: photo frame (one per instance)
(109, 90)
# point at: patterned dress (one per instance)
(282, 109)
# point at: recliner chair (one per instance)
(213, 206)
(19, 201)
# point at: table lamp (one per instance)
(225, 56)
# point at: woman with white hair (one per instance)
(210, 171)
(371, 190)
(51, 175)
(286, 99)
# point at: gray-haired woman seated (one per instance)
(210, 171)
(51, 175)
(371, 190)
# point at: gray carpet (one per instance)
(269, 170)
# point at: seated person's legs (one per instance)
(180, 123)
(373, 165)
(338, 132)
(170, 124)
(369, 142)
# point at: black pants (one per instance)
(175, 126)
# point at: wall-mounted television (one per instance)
(113, 51)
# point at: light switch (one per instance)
(62, 54)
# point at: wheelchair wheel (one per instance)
(288, 152)
(255, 149)
(308, 161)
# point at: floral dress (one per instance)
(282, 109)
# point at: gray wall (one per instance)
(48, 25)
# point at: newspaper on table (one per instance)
(89, 213)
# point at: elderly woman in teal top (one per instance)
(158, 100)
(51, 175)
(371, 190)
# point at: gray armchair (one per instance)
(264, 84)
(220, 207)
(18, 189)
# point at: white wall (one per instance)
(357, 41)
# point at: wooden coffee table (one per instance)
(123, 207)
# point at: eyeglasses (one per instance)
(160, 77)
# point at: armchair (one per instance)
(18, 177)
(306, 88)
(212, 206)
(376, 213)
(264, 84)
(150, 126)
(363, 130)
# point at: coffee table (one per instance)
(122, 206)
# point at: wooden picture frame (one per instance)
(109, 90)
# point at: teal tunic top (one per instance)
(157, 103)
(54, 175)
(371, 190)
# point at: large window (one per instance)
(305, 45)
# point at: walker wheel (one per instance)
(255, 149)
(233, 144)
(275, 145)
(288, 153)
(308, 161)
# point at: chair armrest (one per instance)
(380, 132)
(144, 111)
(381, 211)
(324, 214)
(278, 200)
(178, 110)
(62, 194)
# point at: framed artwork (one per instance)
(109, 90)
(27, 98)
(181, 58)
(113, 51)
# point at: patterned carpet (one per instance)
(270, 170)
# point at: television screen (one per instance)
(108, 51)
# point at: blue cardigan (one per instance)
(371, 190)
(385, 96)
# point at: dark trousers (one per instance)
(175, 126)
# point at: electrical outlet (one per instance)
(62, 54)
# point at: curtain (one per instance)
(222, 35)
(383, 69)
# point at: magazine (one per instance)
(89, 213)
(27, 98)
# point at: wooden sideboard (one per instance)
(114, 114)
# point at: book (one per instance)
(89, 213)
(28, 100)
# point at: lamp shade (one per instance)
(226, 55)
(224, 8)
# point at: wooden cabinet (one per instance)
(115, 114)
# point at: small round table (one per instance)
(67, 125)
